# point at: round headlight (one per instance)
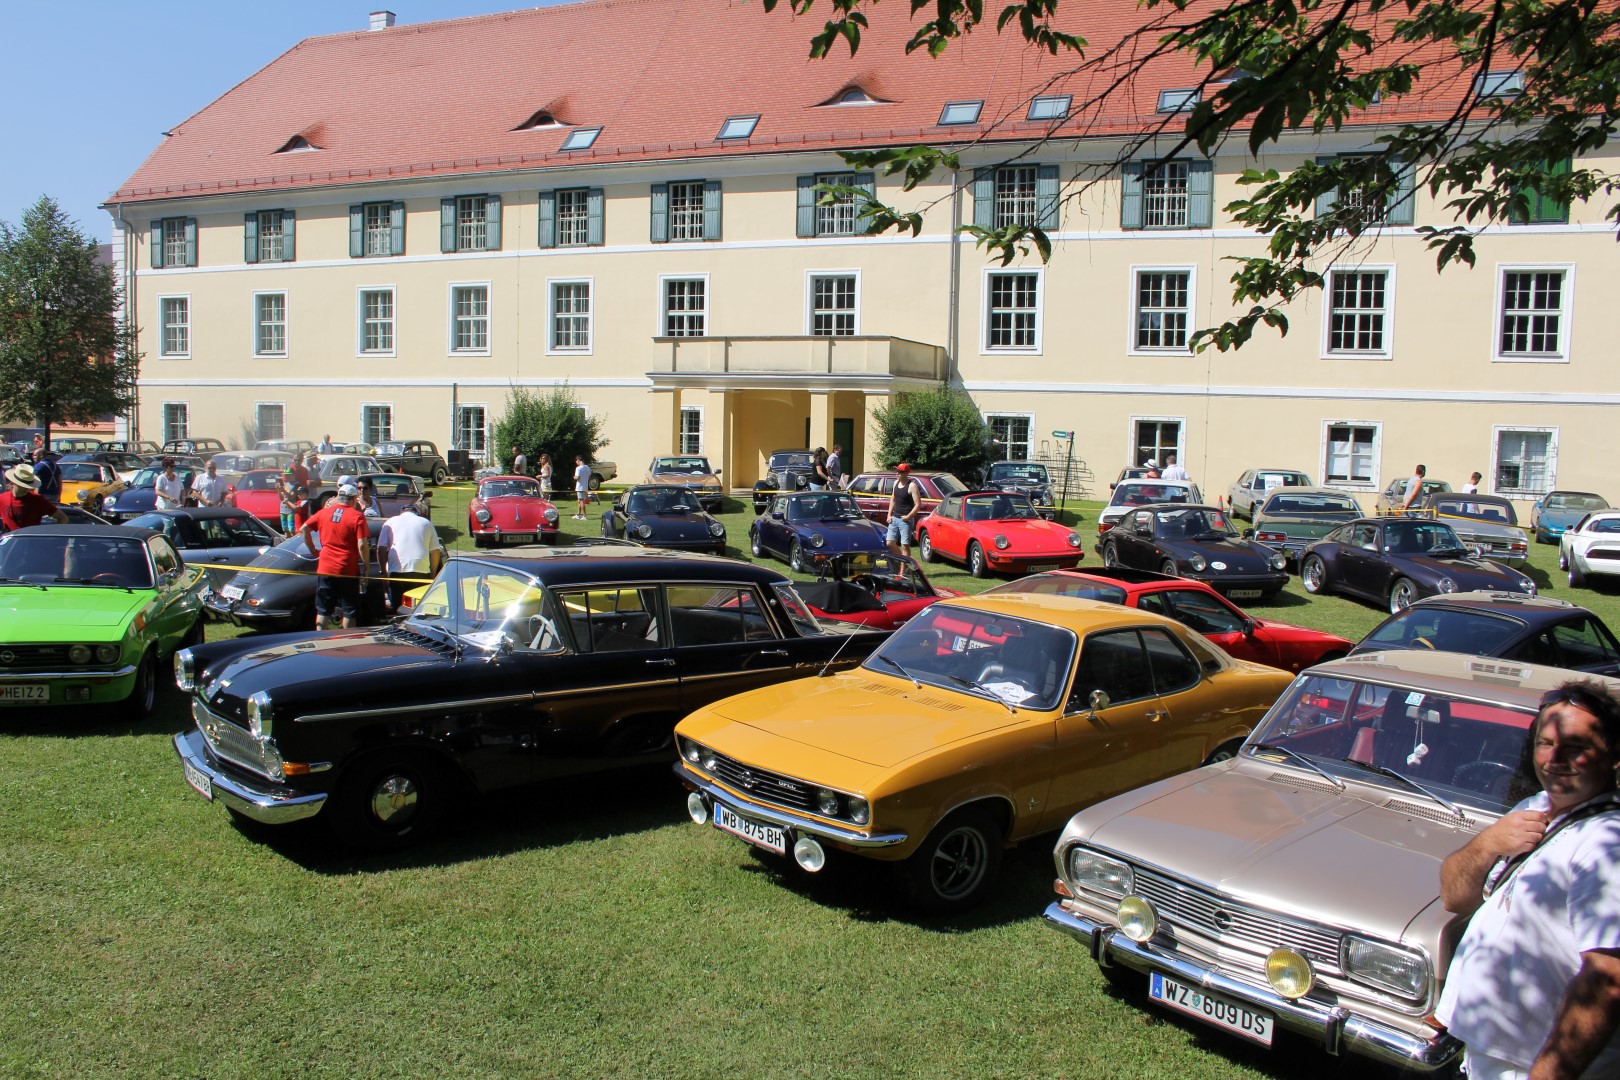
(706, 758)
(1137, 919)
(1445, 584)
(826, 802)
(1289, 973)
(1074, 540)
(78, 654)
(259, 713)
(1279, 562)
(1002, 543)
(860, 811)
(644, 531)
(716, 529)
(482, 515)
(551, 516)
(690, 751)
(817, 540)
(1197, 563)
(185, 668)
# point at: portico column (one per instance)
(666, 419)
(821, 433)
(869, 437)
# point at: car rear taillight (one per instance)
(1271, 537)
(1104, 526)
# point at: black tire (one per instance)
(1401, 595)
(1313, 575)
(142, 700)
(195, 636)
(1224, 752)
(796, 557)
(977, 566)
(440, 475)
(754, 546)
(1577, 576)
(1110, 555)
(956, 866)
(1563, 558)
(925, 547)
(1168, 568)
(388, 803)
(481, 541)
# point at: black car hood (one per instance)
(338, 670)
(1460, 568)
(265, 585)
(1236, 553)
(674, 525)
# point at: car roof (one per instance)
(1508, 682)
(203, 513)
(114, 531)
(483, 480)
(1466, 496)
(1518, 604)
(596, 563)
(1291, 491)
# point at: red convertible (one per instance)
(875, 589)
(511, 508)
(996, 532)
(1194, 604)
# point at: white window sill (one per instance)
(1529, 358)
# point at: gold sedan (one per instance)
(982, 722)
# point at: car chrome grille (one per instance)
(228, 741)
(1236, 926)
(767, 787)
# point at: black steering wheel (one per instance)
(1484, 775)
(867, 582)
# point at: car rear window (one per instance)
(1425, 626)
(1063, 585)
(1310, 504)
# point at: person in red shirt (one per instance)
(22, 505)
(343, 558)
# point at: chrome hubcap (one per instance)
(393, 802)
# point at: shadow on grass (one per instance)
(171, 714)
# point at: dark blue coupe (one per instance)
(1395, 560)
(809, 528)
(664, 516)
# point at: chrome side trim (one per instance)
(31, 676)
(1334, 1027)
(786, 819)
(272, 804)
(438, 706)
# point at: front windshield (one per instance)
(1060, 584)
(502, 489)
(1429, 626)
(1419, 537)
(1465, 751)
(258, 481)
(694, 465)
(1017, 661)
(1496, 513)
(1581, 503)
(81, 471)
(784, 461)
(394, 485)
(1311, 504)
(65, 559)
(1270, 480)
(664, 500)
(948, 484)
(1135, 493)
(1196, 523)
(489, 607)
(1018, 471)
(823, 506)
(1006, 506)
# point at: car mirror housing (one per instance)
(1248, 534)
(1098, 700)
(1248, 628)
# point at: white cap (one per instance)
(345, 479)
(347, 491)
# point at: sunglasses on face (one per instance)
(1577, 696)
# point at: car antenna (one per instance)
(833, 659)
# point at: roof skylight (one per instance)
(960, 112)
(738, 127)
(1050, 107)
(1174, 101)
(1493, 84)
(581, 138)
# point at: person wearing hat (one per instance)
(904, 506)
(22, 505)
(342, 559)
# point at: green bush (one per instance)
(551, 422)
(935, 429)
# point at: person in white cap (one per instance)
(342, 559)
(22, 505)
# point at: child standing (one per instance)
(289, 503)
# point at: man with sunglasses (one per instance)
(1534, 987)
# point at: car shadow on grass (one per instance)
(171, 714)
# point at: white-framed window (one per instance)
(272, 236)
(472, 432)
(176, 420)
(1010, 435)
(376, 321)
(685, 303)
(574, 217)
(1161, 308)
(174, 327)
(378, 235)
(685, 210)
(1016, 202)
(1524, 461)
(1359, 321)
(270, 324)
(469, 318)
(1012, 311)
(270, 420)
(1157, 437)
(1165, 196)
(472, 224)
(376, 422)
(1350, 452)
(1533, 313)
(691, 437)
(571, 316)
(836, 218)
(174, 242)
(834, 303)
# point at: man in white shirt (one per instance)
(1472, 487)
(208, 487)
(170, 489)
(582, 487)
(326, 446)
(1173, 469)
(411, 549)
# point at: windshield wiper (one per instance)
(1278, 748)
(1384, 770)
(89, 581)
(1214, 535)
(896, 665)
(978, 691)
(20, 581)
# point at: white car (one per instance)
(1129, 494)
(1591, 547)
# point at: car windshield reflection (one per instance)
(1192, 524)
(660, 501)
(1014, 660)
(492, 608)
(1420, 538)
(1141, 494)
(500, 489)
(826, 506)
(1006, 507)
(57, 559)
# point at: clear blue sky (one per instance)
(89, 85)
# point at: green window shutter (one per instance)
(660, 214)
(289, 247)
(492, 223)
(711, 209)
(1130, 195)
(1402, 203)
(250, 236)
(867, 182)
(157, 244)
(357, 231)
(1046, 196)
(594, 212)
(807, 205)
(396, 228)
(191, 241)
(447, 224)
(1545, 207)
(1325, 201)
(548, 219)
(984, 198)
(1200, 194)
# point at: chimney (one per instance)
(382, 20)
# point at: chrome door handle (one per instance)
(773, 652)
(662, 662)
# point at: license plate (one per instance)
(1040, 568)
(199, 780)
(25, 694)
(231, 592)
(1244, 594)
(1213, 1010)
(768, 837)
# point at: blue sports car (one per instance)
(1394, 561)
(664, 516)
(807, 529)
(1559, 510)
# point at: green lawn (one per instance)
(585, 930)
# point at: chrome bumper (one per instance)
(260, 800)
(1335, 1027)
(785, 819)
(99, 675)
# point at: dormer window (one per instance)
(960, 112)
(738, 127)
(297, 145)
(1174, 101)
(540, 120)
(1499, 84)
(1051, 107)
(854, 95)
(581, 138)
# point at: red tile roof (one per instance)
(659, 77)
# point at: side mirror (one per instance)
(618, 505)
(717, 472)
(1099, 700)
(777, 515)
(1143, 529)
(1248, 628)
(1248, 534)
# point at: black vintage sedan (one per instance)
(510, 671)
(787, 471)
(1395, 560)
(664, 516)
(1197, 542)
(276, 591)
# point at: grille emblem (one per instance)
(747, 779)
(1223, 921)
(7, 657)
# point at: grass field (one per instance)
(587, 930)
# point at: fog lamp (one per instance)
(1137, 919)
(1289, 973)
(809, 854)
(697, 808)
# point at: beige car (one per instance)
(1297, 885)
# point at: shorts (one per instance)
(582, 494)
(337, 595)
(899, 532)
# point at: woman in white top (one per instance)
(170, 489)
(545, 475)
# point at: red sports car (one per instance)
(256, 493)
(875, 589)
(511, 508)
(996, 532)
(1280, 644)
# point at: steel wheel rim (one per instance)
(1313, 574)
(958, 863)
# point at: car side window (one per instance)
(164, 557)
(715, 615)
(951, 507)
(1114, 662)
(1156, 602)
(1365, 536)
(1203, 612)
(1582, 643)
(779, 505)
(1173, 669)
(613, 620)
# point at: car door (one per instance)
(724, 641)
(1135, 545)
(773, 527)
(1360, 562)
(1213, 616)
(948, 534)
(1579, 643)
(176, 605)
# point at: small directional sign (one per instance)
(1062, 434)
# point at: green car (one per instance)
(1291, 518)
(87, 612)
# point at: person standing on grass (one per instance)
(904, 506)
(835, 468)
(411, 551)
(342, 559)
(287, 488)
(208, 487)
(582, 487)
(545, 476)
(170, 489)
(520, 462)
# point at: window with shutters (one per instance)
(469, 318)
(1164, 196)
(174, 242)
(1015, 195)
(270, 324)
(1377, 193)
(1012, 318)
(1525, 460)
(573, 217)
(1167, 195)
(1025, 194)
(1163, 300)
(686, 306)
(1533, 313)
(272, 237)
(1540, 208)
(176, 421)
(570, 316)
(834, 304)
(686, 211)
(174, 327)
(378, 228)
(1350, 451)
(377, 322)
(1359, 313)
(472, 223)
(376, 423)
(826, 213)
